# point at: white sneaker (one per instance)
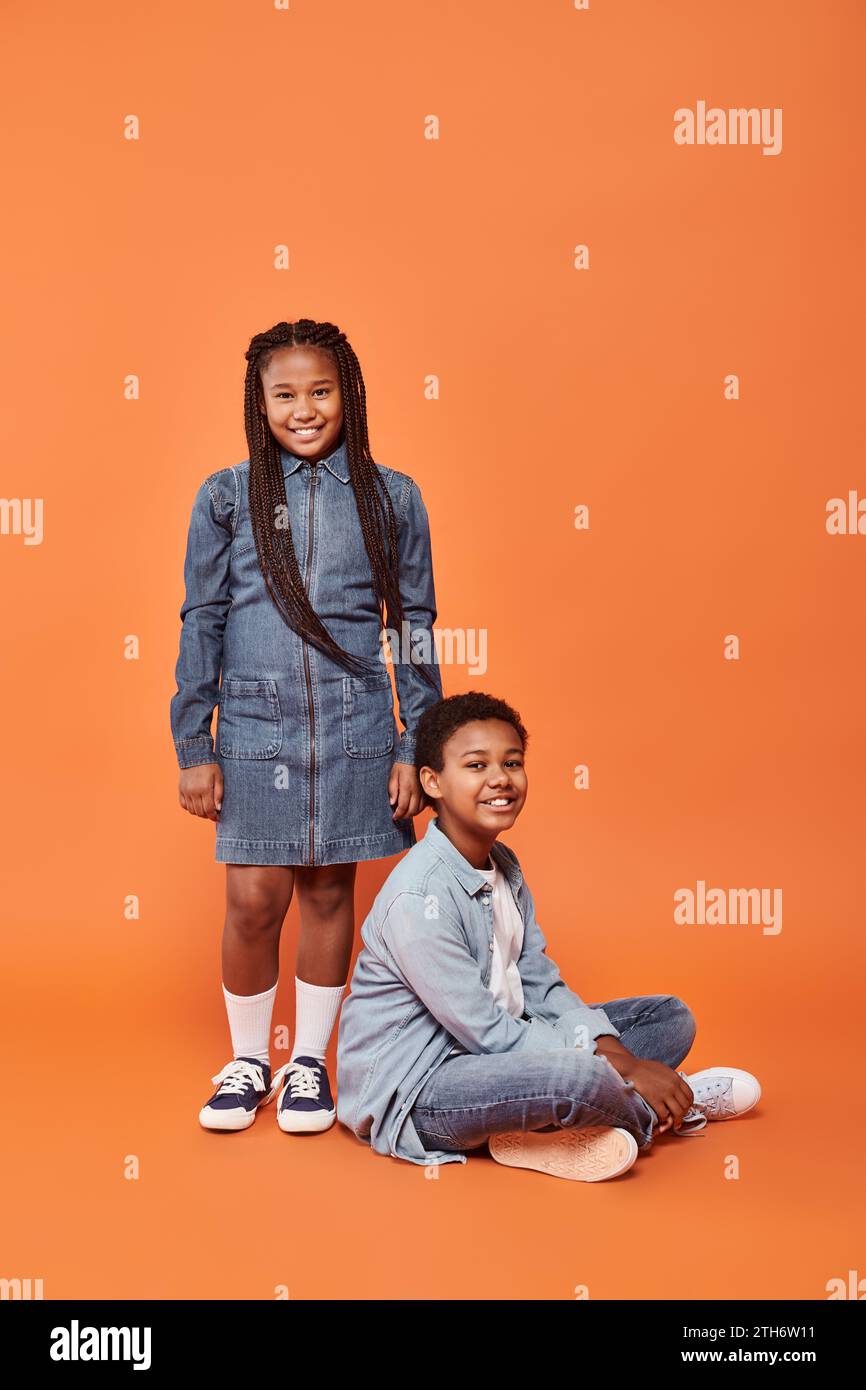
(585, 1154)
(720, 1093)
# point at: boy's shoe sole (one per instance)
(585, 1154)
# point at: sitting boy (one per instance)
(459, 1029)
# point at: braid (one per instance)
(267, 493)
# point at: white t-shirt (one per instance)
(505, 983)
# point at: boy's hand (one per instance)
(201, 790)
(662, 1088)
(404, 788)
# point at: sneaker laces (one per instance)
(236, 1076)
(717, 1104)
(299, 1080)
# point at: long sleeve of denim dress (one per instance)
(305, 749)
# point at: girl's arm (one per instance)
(414, 693)
(203, 615)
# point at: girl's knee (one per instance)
(256, 904)
(327, 887)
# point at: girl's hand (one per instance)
(404, 788)
(662, 1088)
(201, 790)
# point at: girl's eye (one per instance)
(282, 395)
(512, 763)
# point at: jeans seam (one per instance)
(474, 1109)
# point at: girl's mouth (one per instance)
(308, 432)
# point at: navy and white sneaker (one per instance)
(242, 1086)
(305, 1105)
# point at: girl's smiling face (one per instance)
(300, 388)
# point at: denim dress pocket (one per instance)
(249, 723)
(368, 716)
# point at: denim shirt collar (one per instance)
(337, 462)
(466, 874)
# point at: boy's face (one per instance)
(301, 392)
(482, 764)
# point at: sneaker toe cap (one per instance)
(747, 1092)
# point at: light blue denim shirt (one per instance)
(420, 984)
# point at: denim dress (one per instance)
(306, 749)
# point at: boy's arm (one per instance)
(414, 693)
(433, 959)
(545, 992)
(203, 615)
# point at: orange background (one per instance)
(558, 387)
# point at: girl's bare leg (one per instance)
(257, 900)
(326, 899)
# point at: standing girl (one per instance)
(293, 558)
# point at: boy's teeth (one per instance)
(497, 801)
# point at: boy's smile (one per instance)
(301, 391)
(481, 788)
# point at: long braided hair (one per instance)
(267, 494)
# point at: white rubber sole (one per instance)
(226, 1119)
(585, 1154)
(306, 1121)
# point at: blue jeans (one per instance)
(471, 1096)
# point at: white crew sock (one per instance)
(250, 1022)
(316, 1009)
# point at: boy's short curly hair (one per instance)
(440, 721)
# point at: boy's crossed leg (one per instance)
(473, 1096)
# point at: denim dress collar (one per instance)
(337, 462)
